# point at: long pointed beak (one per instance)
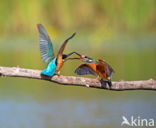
(78, 54)
(73, 58)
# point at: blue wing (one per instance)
(84, 69)
(46, 47)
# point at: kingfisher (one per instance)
(47, 53)
(99, 68)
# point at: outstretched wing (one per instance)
(46, 47)
(84, 69)
(109, 69)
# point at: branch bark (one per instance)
(78, 81)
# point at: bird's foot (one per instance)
(97, 78)
(58, 73)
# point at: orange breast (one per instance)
(92, 66)
(59, 64)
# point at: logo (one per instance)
(138, 121)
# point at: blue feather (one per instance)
(50, 69)
(46, 47)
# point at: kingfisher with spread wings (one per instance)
(47, 53)
(99, 68)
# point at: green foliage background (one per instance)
(18, 17)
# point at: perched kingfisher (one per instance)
(100, 68)
(47, 53)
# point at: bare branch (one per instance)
(79, 81)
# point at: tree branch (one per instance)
(79, 81)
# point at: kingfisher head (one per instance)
(64, 56)
(86, 59)
(82, 57)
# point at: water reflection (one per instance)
(70, 113)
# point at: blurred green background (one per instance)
(120, 31)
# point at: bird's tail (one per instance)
(47, 73)
(104, 82)
(109, 83)
(50, 69)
